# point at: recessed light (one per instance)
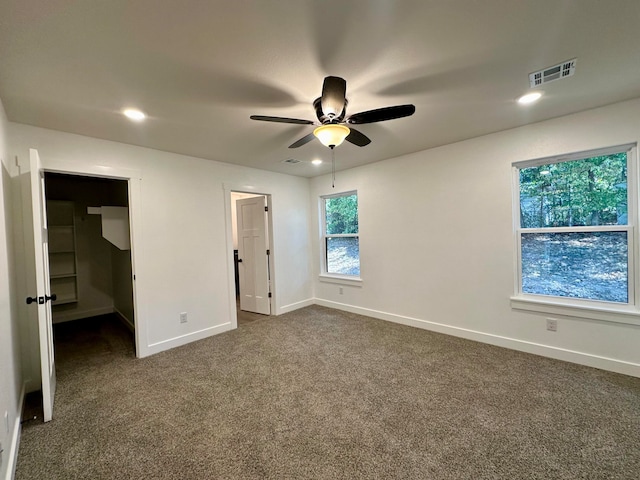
(133, 114)
(529, 98)
(317, 161)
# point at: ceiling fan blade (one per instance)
(334, 91)
(265, 118)
(358, 138)
(381, 114)
(304, 140)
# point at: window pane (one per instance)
(343, 255)
(341, 214)
(591, 191)
(589, 265)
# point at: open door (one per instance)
(43, 295)
(253, 256)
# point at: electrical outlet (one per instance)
(183, 317)
(552, 324)
(340, 290)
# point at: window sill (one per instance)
(625, 314)
(341, 279)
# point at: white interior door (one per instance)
(253, 260)
(43, 294)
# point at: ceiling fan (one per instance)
(331, 110)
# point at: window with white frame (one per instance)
(576, 226)
(340, 239)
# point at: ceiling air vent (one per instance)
(550, 74)
(291, 161)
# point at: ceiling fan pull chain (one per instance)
(333, 167)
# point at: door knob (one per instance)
(41, 300)
(239, 260)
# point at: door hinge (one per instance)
(266, 209)
(269, 294)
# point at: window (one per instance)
(341, 245)
(576, 225)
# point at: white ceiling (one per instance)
(200, 68)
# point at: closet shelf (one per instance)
(63, 301)
(63, 275)
(63, 265)
(115, 225)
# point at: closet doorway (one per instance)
(90, 263)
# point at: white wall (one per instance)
(122, 285)
(10, 368)
(184, 261)
(436, 240)
(121, 271)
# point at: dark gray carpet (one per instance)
(324, 394)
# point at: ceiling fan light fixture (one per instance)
(332, 134)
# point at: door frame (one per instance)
(231, 290)
(133, 178)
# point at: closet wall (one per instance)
(103, 271)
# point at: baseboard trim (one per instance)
(127, 323)
(61, 317)
(15, 437)
(581, 358)
(158, 347)
(296, 306)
